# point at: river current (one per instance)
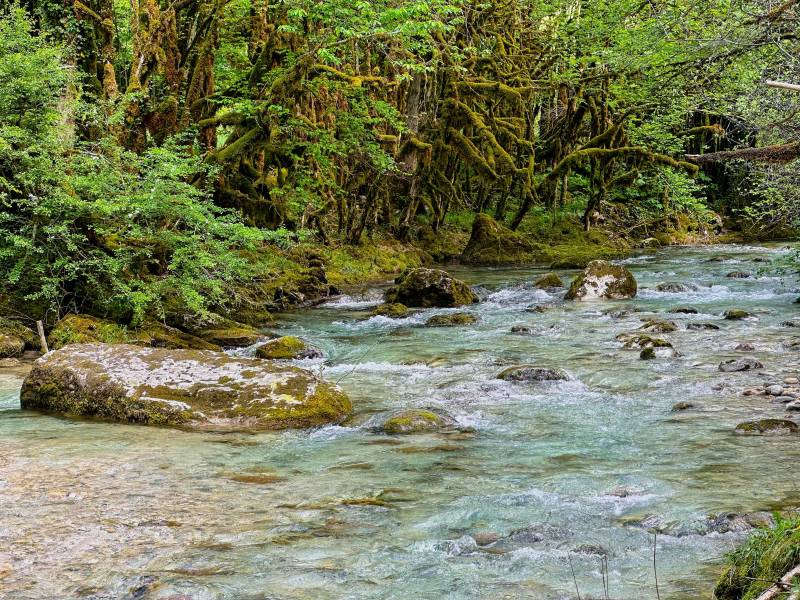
(559, 487)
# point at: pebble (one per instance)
(775, 390)
(791, 381)
(783, 399)
(793, 405)
(745, 347)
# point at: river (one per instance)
(560, 474)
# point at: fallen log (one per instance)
(779, 153)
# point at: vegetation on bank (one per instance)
(761, 562)
(159, 159)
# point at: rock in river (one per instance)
(548, 281)
(418, 420)
(533, 373)
(430, 287)
(451, 320)
(602, 280)
(773, 426)
(287, 347)
(196, 389)
(739, 364)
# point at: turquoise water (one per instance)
(561, 472)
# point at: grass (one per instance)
(761, 561)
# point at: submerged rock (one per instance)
(451, 320)
(674, 287)
(773, 426)
(680, 406)
(539, 308)
(602, 280)
(740, 364)
(522, 330)
(196, 389)
(533, 373)
(641, 340)
(430, 288)
(287, 347)
(702, 327)
(739, 275)
(685, 310)
(550, 280)
(494, 244)
(418, 420)
(735, 314)
(745, 347)
(392, 310)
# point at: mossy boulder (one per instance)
(735, 314)
(11, 346)
(418, 420)
(195, 389)
(494, 244)
(451, 320)
(532, 373)
(767, 426)
(287, 347)
(212, 327)
(392, 310)
(641, 340)
(84, 329)
(548, 281)
(602, 280)
(159, 335)
(12, 332)
(659, 326)
(428, 288)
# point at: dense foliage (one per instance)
(146, 147)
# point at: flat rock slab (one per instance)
(195, 389)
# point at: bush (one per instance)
(94, 228)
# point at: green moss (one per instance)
(549, 280)
(766, 556)
(451, 320)
(735, 314)
(82, 329)
(286, 348)
(659, 326)
(14, 328)
(768, 426)
(414, 421)
(392, 310)
(493, 244)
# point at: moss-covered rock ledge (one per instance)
(195, 389)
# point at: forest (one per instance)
(161, 153)
(182, 179)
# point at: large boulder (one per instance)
(196, 389)
(428, 288)
(602, 280)
(493, 244)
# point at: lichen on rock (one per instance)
(603, 280)
(195, 389)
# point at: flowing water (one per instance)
(562, 472)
